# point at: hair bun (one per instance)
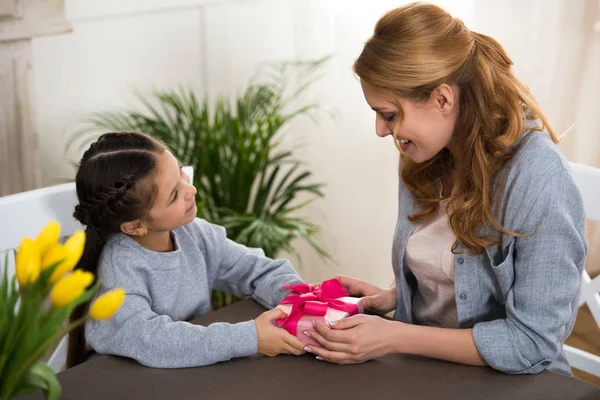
(80, 214)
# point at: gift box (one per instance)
(306, 303)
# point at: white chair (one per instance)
(588, 180)
(25, 214)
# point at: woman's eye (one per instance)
(176, 195)
(388, 117)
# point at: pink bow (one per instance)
(313, 300)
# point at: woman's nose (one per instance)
(382, 129)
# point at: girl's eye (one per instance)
(388, 117)
(176, 195)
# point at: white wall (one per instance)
(214, 46)
(101, 64)
(556, 52)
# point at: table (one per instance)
(391, 377)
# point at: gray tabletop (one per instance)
(391, 377)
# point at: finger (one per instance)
(295, 342)
(349, 284)
(292, 350)
(369, 301)
(337, 357)
(342, 278)
(275, 314)
(283, 350)
(372, 302)
(329, 334)
(328, 344)
(347, 323)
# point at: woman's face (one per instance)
(425, 128)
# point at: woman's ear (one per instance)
(445, 97)
(134, 228)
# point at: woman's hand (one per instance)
(375, 298)
(355, 339)
(273, 340)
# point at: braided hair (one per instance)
(112, 188)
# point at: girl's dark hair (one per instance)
(112, 189)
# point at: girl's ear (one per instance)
(134, 228)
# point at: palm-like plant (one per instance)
(246, 182)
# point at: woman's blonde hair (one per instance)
(413, 50)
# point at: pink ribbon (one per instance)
(314, 300)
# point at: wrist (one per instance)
(391, 291)
(395, 336)
(392, 295)
(404, 337)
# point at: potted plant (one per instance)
(246, 182)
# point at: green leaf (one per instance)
(41, 376)
(53, 324)
(23, 335)
(5, 312)
(8, 296)
(4, 286)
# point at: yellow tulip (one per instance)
(74, 246)
(48, 237)
(27, 266)
(55, 255)
(70, 287)
(108, 304)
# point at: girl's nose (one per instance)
(191, 191)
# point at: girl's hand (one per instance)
(273, 340)
(379, 300)
(355, 339)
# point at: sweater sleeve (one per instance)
(154, 340)
(244, 271)
(543, 300)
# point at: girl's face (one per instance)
(175, 203)
(425, 127)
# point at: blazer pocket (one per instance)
(505, 272)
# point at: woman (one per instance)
(490, 241)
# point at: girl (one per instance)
(490, 241)
(139, 211)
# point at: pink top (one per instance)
(429, 256)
